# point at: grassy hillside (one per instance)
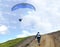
(47, 40)
(12, 43)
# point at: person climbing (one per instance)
(38, 36)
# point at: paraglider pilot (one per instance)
(38, 36)
(20, 20)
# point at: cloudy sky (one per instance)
(45, 19)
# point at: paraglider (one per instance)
(23, 5)
(20, 19)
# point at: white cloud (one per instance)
(46, 18)
(24, 34)
(2, 18)
(35, 23)
(3, 29)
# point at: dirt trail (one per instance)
(46, 41)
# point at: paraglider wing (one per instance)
(23, 5)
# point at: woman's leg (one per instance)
(38, 39)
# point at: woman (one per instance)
(38, 36)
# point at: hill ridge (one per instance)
(48, 40)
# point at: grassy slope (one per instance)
(12, 43)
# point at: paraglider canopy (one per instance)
(23, 5)
(23, 9)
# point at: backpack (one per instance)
(38, 35)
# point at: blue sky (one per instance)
(45, 19)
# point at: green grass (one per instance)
(12, 43)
